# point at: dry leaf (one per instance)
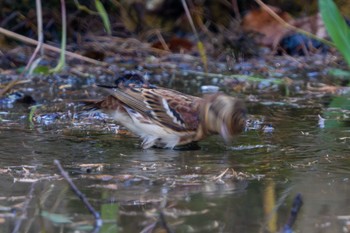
(262, 22)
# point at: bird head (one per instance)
(224, 115)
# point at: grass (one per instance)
(337, 27)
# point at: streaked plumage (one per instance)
(167, 118)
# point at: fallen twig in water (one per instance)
(297, 203)
(98, 220)
(24, 209)
(221, 175)
(159, 226)
(163, 223)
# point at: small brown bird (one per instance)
(167, 118)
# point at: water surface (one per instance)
(285, 150)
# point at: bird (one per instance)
(166, 118)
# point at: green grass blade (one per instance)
(56, 218)
(62, 60)
(31, 115)
(336, 26)
(103, 14)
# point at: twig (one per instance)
(188, 14)
(136, 44)
(18, 82)
(159, 225)
(24, 209)
(221, 175)
(289, 26)
(98, 220)
(236, 10)
(201, 48)
(162, 41)
(9, 18)
(46, 46)
(42, 199)
(163, 223)
(40, 35)
(50, 47)
(149, 228)
(9, 86)
(38, 47)
(297, 203)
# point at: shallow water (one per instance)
(285, 150)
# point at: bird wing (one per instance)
(166, 107)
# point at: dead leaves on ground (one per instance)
(324, 88)
(271, 30)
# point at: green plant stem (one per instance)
(39, 46)
(336, 26)
(84, 8)
(31, 115)
(62, 60)
(104, 16)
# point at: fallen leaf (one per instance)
(262, 22)
(320, 87)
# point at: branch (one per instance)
(98, 220)
(50, 47)
(297, 203)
